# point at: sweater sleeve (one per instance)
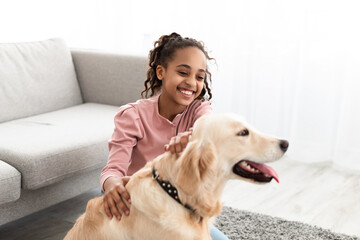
(195, 110)
(203, 109)
(128, 130)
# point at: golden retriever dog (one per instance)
(176, 196)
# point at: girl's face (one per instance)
(183, 79)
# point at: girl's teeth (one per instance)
(186, 92)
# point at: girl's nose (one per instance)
(191, 81)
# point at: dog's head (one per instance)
(224, 147)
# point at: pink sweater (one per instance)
(141, 132)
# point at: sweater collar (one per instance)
(177, 118)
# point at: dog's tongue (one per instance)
(265, 169)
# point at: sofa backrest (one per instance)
(36, 77)
(109, 78)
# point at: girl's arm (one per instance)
(113, 177)
(127, 131)
(197, 109)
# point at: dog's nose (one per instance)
(284, 145)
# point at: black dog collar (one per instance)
(170, 189)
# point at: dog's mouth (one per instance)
(256, 171)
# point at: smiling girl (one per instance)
(178, 84)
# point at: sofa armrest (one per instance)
(109, 78)
(10, 183)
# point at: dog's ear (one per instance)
(195, 162)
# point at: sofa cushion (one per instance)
(10, 180)
(36, 77)
(50, 147)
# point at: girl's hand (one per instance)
(178, 143)
(115, 192)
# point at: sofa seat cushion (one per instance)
(35, 78)
(50, 147)
(10, 183)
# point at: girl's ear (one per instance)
(160, 70)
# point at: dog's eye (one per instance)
(243, 133)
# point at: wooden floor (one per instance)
(318, 194)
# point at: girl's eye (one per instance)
(183, 73)
(201, 77)
(244, 133)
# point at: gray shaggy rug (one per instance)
(237, 224)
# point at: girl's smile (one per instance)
(186, 92)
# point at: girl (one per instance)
(178, 82)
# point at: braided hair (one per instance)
(163, 51)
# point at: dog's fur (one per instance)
(199, 173)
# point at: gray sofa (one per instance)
(56, 116)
